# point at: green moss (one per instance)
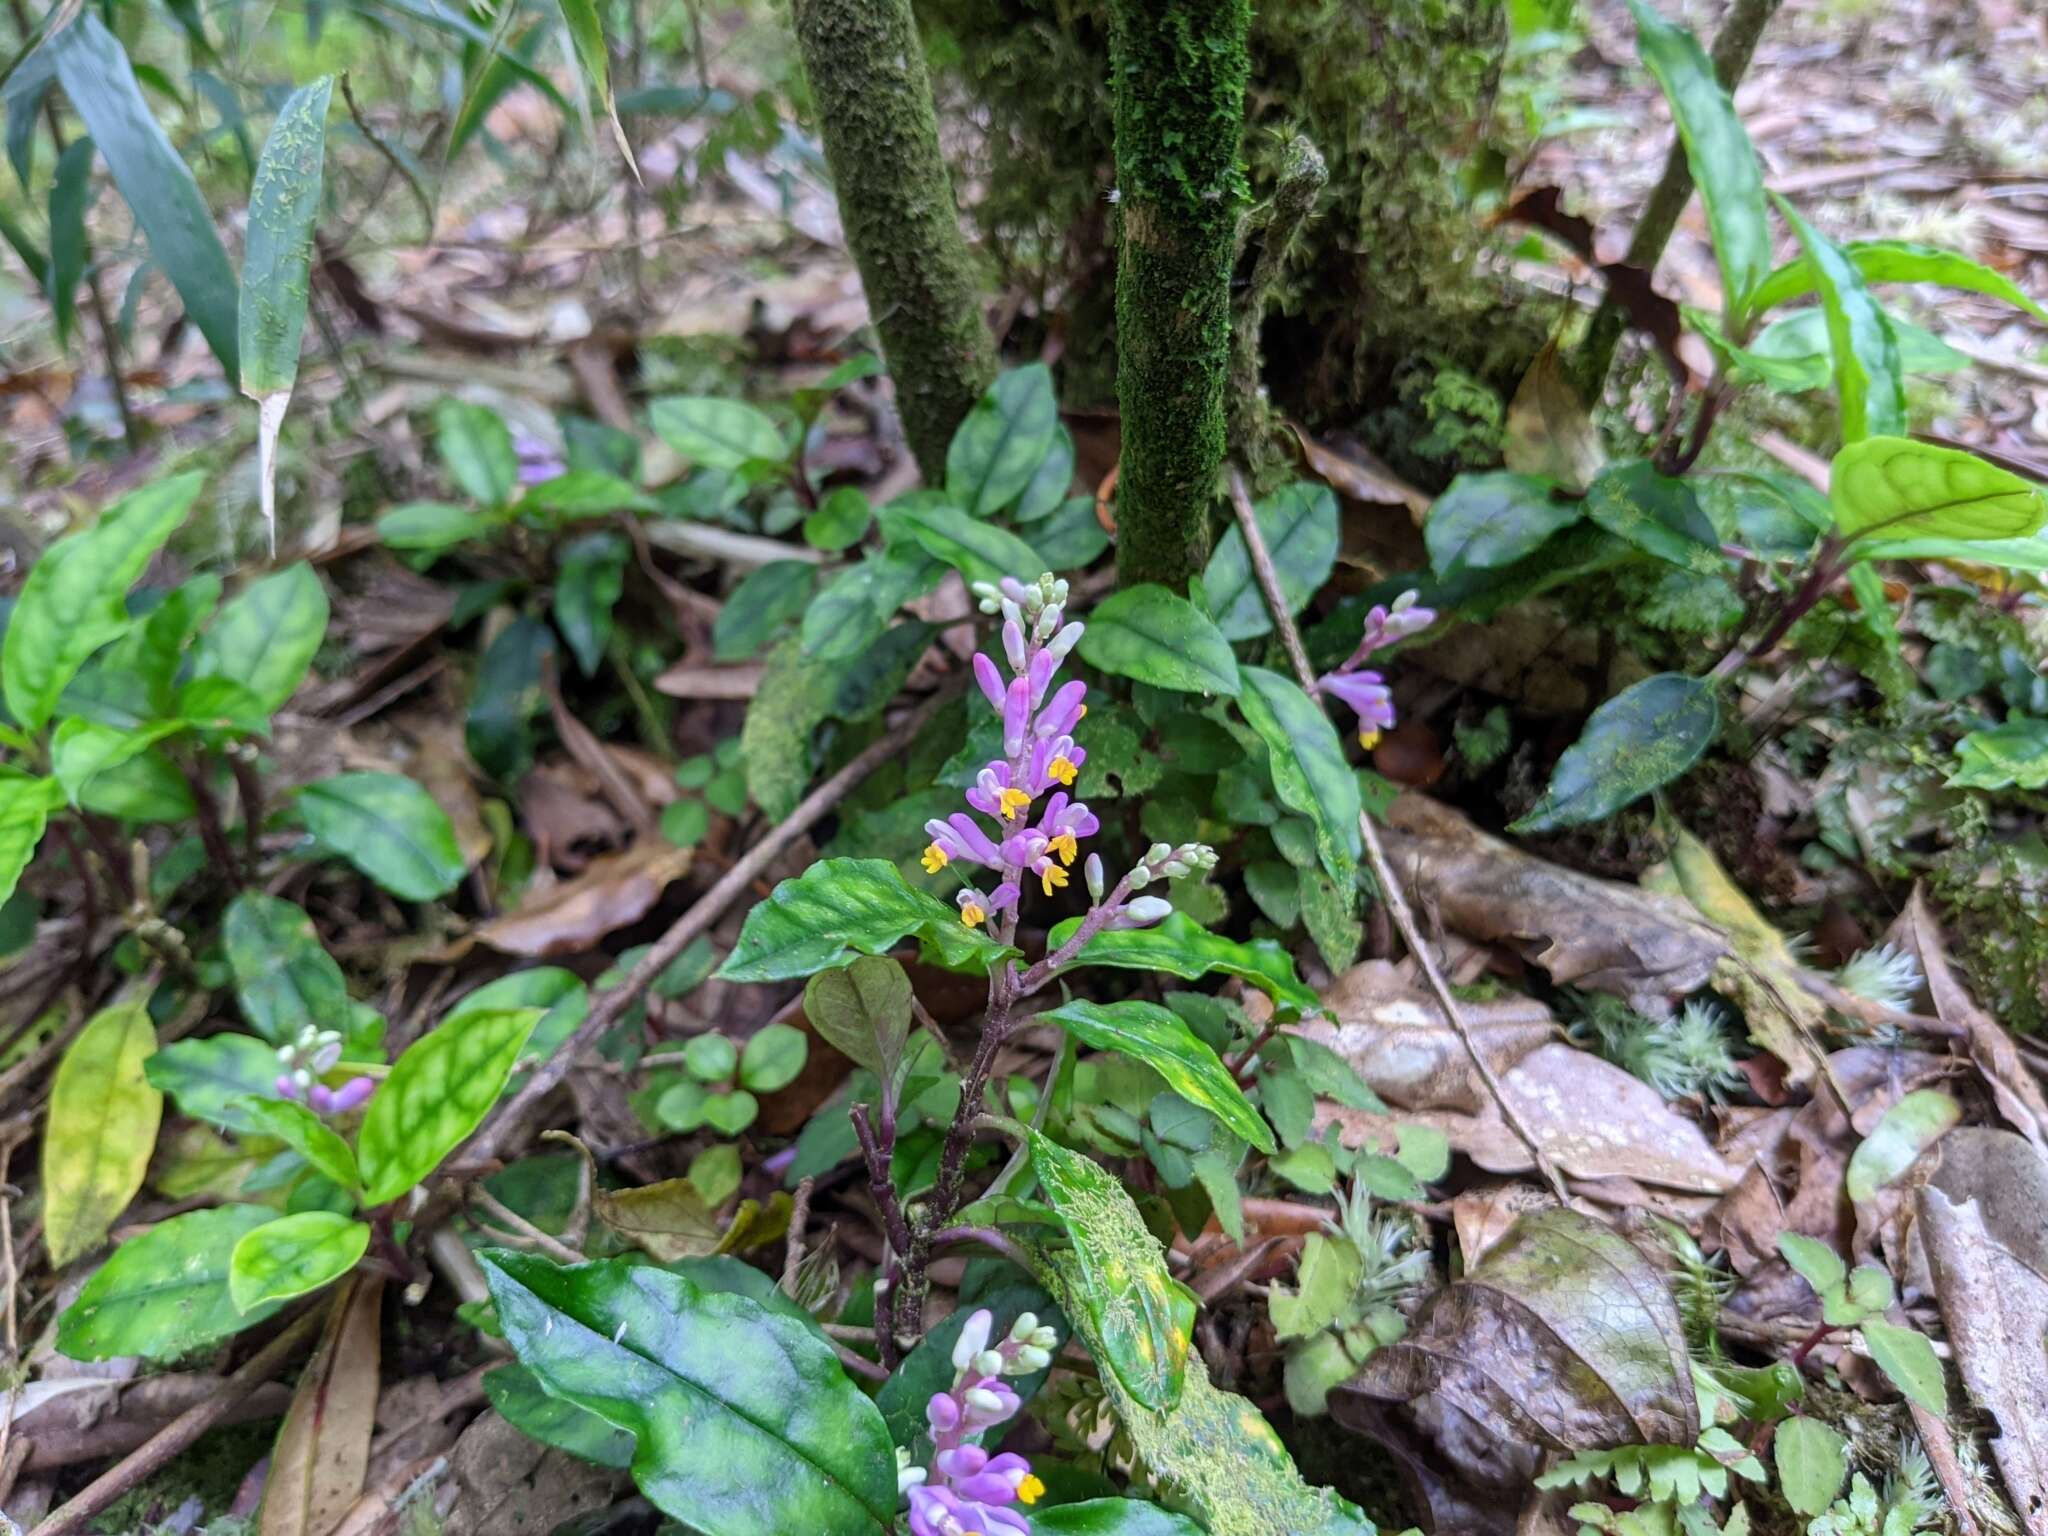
(211, 1472)
(1990, 894)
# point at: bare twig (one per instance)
(152, 1455)
(510, 1120)
(1390, 887)
(799, 1220)
(552, 1246)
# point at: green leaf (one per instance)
(2008, 756)
(284, 202)
(863, 1010)
(506, 696)
(1817, 1263)
(586, 33)
(581, 493)
(81, 750)
(1180, 946)
(978, 551)
(476, 449)
(1910, 1363)
(759, 606)
(587, 589)
(1868, 1292)
(25, 807)
(851, 613)
(1659, 514)
(100, 1131)
(1111, 1517)
(1309, 771)
(1147, 634)
(1812, 1459)
(744, 1423)
(1141, 1318)
(1483, 522)
(1004, 442)
(1071, 537)
(436, 525)
(1898, 261)
(293, 1255)
(1868, 374)
(1910, 489)
(207, 1077)
(388, 827)
(1794, 353)
(73, 601)
(1162, 1041)
(164, 1295)
(135, 679)
(438, 1092)
(717, 434)
(93, 68)
(1299, 525)
(529, 1408)
(306, 1134)
(284, 977)
(1724, 164)
(840, 907)
(842, 517)
(561, 994)
(1051, 483)
(1643, 737)
(70, 195)
(1909, 1128)
(267, 635)
(774, 1054)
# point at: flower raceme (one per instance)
(966, 1491)
(1365, 692)
(311, 1057)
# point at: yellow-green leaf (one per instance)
(438, 1092)
(293, 1255)
(102, 1129)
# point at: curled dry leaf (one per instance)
(1563, 1338)
(616, 890)
(1594, 1120)
(1649, 948)
(1980, 1222)
(1351, 469)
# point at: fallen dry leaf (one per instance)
(615, 890)
(506, 1483)
(323, 1449)
(1651, 949)
(1549, 430)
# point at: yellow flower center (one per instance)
(935, 859)
(1030, 1490)
(1011, 801)
(1368, 739)
(1062, 770)
(1065, 847)
(1052, 877)
(972, 915)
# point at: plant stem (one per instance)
(866, 67)
(210, 831)
(1734, 46)
(989, 1238)
(1819, 577)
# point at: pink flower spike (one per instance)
(990, 679)
(339, 1101)
(942, 1413)
(1016, 717)
(1004, 896)
(286, 1088)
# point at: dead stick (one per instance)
(799, 1220)
(150, 1457)
(510, 1118)
(1390, 888)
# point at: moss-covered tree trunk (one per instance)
(1178, 71)
(881, 133)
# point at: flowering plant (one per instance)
(965, 1491)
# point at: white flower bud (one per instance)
(1405, 601)
(1148, 909)
(1066, 640)
(985, 1400)
(1012, 614)
(1173, 869)
(908, 1478)
(1024, 1327)
(1045, 1337)
(302, 1079)
(1093, 870)
(1157, 852)
(1140, 877)
(988, 1363)
(1030, 1358)
(286, 1054)
(973, 1339)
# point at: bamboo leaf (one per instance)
(70, 197)
(586, 32)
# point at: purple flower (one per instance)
(538, 461)
(339, 1101)
(987, 1479)
(957, 837)
(942, 1512)
(1367, 696)
(1065, 711)
(1054, 760)
(994, 795)
(990, 679)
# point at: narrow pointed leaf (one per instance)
(389, 828)
(1310, 773)
(1868, 375)
(1642, 738)
(1899, 261)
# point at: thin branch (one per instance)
(546, 1242)
(799, 1220)
(1390, 887)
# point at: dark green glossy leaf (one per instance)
(437, 1093)
(1071, 536)
(1151, 636)
(266, 636)
(1004, 442)
(135, 679)
(506, 696)
(854, 609)
(1050, 485)
(1868, 374)
(978, 551)
(74, 599)
(1659, 514)
(1141, 1319)
(293, 1255)
(284, 977)
(1309, 771)
(1906, 489)
(284, 202)
(1483, 522)
(70, 196)
(744, 1423)
(1724, 164)
(592, 577)
(206, 1077)
(1111, 1517)
(1299, 524)
(476, 449)
(1162, 1041)
(518, 1395)
(1643, 737)
(164, 1295)
(839, 907)
(759, 606)
(94, 70)
(1899, 261)
(1180, 946)
(717, 434)
(389, 828)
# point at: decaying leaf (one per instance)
(1980, 1219)
(1649, 948)
(1593, 1119)
(670, 1219)
(570, 918)
(507, 1483)
(1563, 1338)
(323, 1449)
(1550, 432)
